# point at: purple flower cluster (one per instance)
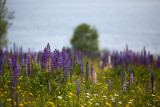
(124, 82)
(130, 76)
(152, 81)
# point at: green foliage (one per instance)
(33, 89)
(85, 39)
(5, 17)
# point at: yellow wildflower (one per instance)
(127, 105)
(131, 100)
(8, 99)
(51, 103)
(21, 77)
(18, 87)
(108, 104)
(41, 85)
(106, 88)
(103, 77)
(89, 102)
(69, 84)
(111, 95)
(5, 92)
(31, 94)
(21, 105)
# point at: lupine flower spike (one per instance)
(152, 81)
(94, 77)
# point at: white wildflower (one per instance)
(88, 96)
(120, 102)
(87, 93)
(129, 102)
(104, 96)
(153, 95)
(95, 94)
(115, 95)
(113, 99)
(96, 103)
(59, 97)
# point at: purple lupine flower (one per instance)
(81, 70)
(48, 49)
(66, 72)
(29, 67)
(25, 59)
(158, 63)
(35, 57)
(109, 85)
(78, 87)
(152, 81)
(14, 77)
(1, 62)
(87, 71)
(130, 76)
(64, 55)
(124, 82)
(44, 58)
(10, 64)
(147, 86)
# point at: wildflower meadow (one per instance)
(58, 78)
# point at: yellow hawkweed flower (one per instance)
(69, 84)
(41, 85)
(106, 88)
(111, 95)
(21, 105)
(108, 104)
(89, 102)
(103, 77)
(18, 87)
(5, 92)
(31, 94)
(28, 102)
(70, 95)
(21, 77)
(131, 100)
(51, 103)
(127, 105)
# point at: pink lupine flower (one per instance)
(94, 77)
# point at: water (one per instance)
(38, 22)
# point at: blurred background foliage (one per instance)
(85, 38)
(5, 17)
